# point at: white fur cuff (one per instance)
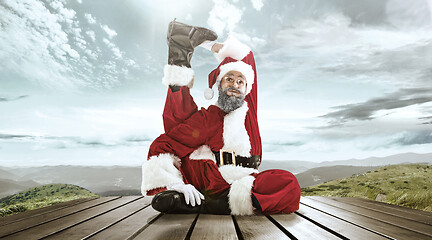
(159, 171)
(233, 48)
(178, 76)
(240, 196)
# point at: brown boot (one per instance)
(182, 39)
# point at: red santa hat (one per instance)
(233, 57)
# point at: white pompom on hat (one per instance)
(208, 93)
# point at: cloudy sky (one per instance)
(80, 80)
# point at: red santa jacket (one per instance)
(191, 136)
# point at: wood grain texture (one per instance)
(214, 227)
(133, 218)
(129, 226)
(168, 226)
(70, 220)
(302, 228)
(346, 229)
(50, 216)
(380, 216)
(366, 222)
(82, 230)
(403, 212)
(258, 227)
(36, 212)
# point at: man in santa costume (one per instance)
(207, 160)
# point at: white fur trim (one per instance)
(233, 173)
(234, 134)
(242, 67)
(178, 76)
(240, 196)
(159, 171)
(207, 44)
(233, 48)
(203, 152)
(208, 93)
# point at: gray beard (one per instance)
(229, 103)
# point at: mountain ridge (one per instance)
(109, 180)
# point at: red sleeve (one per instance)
(179, 106)
(251, 122)
(184, 138)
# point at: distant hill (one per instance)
(292, 166)
(98, 179)
(408, 185)
(42, 196)
(8, 187)
(324, 174)
(5, 174)
(301, 166)
(109, 180)
(381, 161)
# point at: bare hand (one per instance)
(216, 47)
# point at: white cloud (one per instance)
(92, 35)
(252, 41)
(47, 48)
(116, 51)
(224, 16)
(91, 54)
(58, 132)
(64, 14)
(33, 34)
(405, 15)
(111, 33)
(90, 18)
(67, 48)
(429, 2)
(257, 4)
(330, 47)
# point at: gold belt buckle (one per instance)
(222, 159)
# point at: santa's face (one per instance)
(235, 82)
(232, 91)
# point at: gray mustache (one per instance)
(232, 89)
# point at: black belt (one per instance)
(229, 158)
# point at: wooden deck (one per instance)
(133, 218)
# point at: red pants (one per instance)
(277, 190)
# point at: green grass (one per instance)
(42, 196)
(408, 185)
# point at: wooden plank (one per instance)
(127, 227)
(168, 226)
(43, 230)
(381, 216)
(214, 227)
(258, 227)
(344, 228)
(50, 216)
(384, 228)
(302, 228)
(403, 212)
(82, 230)
(36, 212)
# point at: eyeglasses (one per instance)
(240, 82)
